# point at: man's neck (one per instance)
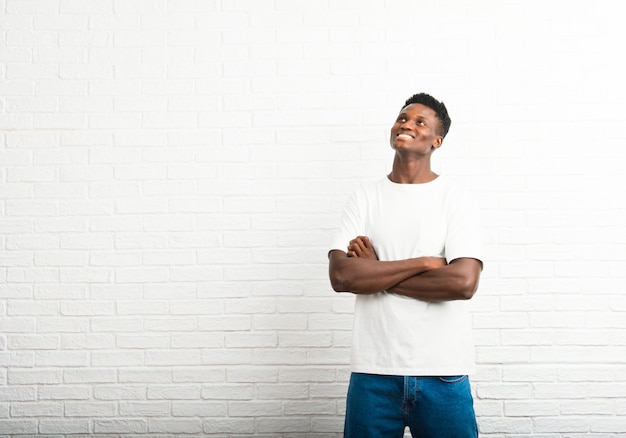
(413, 172)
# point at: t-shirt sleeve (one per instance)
(464, 233)
(350, 225)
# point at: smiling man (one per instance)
(409, 248)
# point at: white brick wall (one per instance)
(170, 172)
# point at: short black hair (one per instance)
(437, 106)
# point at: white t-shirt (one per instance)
(397, 335)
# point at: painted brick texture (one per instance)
(171, 171)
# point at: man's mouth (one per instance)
(404, 135)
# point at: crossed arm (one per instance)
(424, 278)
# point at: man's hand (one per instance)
(361, 247)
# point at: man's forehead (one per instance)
(418, 108)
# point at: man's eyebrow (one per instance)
(417, 117)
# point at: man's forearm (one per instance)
(456, 281)
(366, 275)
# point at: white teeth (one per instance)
(404, 136)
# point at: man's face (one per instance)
(416, 130)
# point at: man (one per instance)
(409, 248)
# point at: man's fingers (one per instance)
(360, 241)
(359, 246)
(364, 241)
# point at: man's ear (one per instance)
(437, 142)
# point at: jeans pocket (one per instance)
(452, 379)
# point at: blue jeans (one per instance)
(432, 407)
